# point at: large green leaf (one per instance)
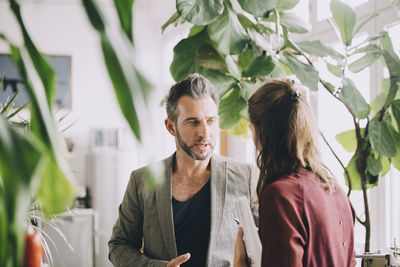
(56, 194)
(378, 102)
(230, 108)
(232, 67)
(124, 10)
(364, 62)
(355, 177)
(248, 88)
(345, 19)
(121, 86)
(385, 166)
(200, 12)
(353, 98)
(307, 75)
(317, 48)
(282, 5)
(42, 66)
(374, 165)
(221, 81)
(380, 138)
(227, 33)
(348, 139)
(193, 54)
(294, 23)
(260, 66)
(257, 7)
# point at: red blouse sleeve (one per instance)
(282, 229)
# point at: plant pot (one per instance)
(34, 251)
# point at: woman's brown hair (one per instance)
(286, 133)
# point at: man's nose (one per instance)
(203, 129)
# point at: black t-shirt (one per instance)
(192, 226)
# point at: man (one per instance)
(190, 220)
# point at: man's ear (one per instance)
(170, 125)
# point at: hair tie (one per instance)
(294, 95)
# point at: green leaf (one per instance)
(200, 12)
(248, 88)
(380, 138)
(240, 128)
(330, 87)
(124, 10)
(282, 5)
(232, 67)
(56, 194)
(195, 30)
(230, 108)
(259, 40)
(385, 166)
(41, 64)
(374, 165)
(353, 98)
(246, 22)
(355, 177)
(260, 66)
(394, 86)
(221, 81)
(317, 48)
(378, 102)
(348, 139)
(345, 19)
(227, 33)
(362, 24)
(186, 56)
(396, 159)
(121, 86)
(335, 69)
(364, 62)
(294, 23)
(257, 8)
(307, 75)
(94, 15)
(173, 19)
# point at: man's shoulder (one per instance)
(232, 163)
(157, 168)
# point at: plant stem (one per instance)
(347, 176)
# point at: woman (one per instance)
(305, 217)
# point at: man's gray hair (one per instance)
(195, 86)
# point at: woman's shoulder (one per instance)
(287, 187)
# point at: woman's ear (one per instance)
(170, 125)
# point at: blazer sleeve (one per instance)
(126, 239)
(282, 230)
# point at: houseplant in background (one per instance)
(32, 163)
(239, 45)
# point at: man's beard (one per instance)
(189, 151)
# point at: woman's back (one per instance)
(302, 224)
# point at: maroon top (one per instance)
(302, 224)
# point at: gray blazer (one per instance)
(146, 219)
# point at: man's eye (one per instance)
(191, 123)
(211, 121)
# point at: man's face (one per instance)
(196, 127)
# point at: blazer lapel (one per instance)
(218, 192)
(164, 209)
